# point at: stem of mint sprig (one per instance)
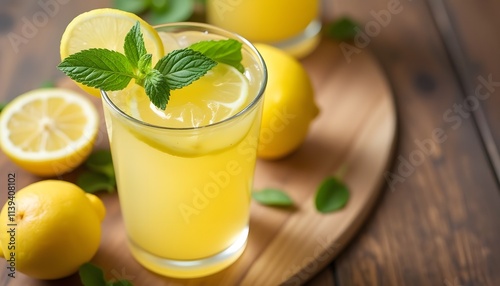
(110, 70)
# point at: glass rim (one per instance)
(219, 31)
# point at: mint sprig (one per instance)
(110, 70)
(134, 46)
(182, 67)
(223, 51)
(99, 68)
(157, 88)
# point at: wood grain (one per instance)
(356, 129)
(479, 83)
(438, 225)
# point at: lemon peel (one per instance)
(289, 105)
(57, 229)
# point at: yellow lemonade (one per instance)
(185, 173)
(292, 25)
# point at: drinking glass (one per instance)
(185, 192)
(291, 25)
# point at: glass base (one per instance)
(304, 43)
(191, 268)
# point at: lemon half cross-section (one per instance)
(106, 28)
(48, 131)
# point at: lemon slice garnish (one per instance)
(106, 28)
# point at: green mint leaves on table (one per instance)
(91, 275)
(110, 70)
(2, 105)
(272, 197)
(331, 195)
(100, 174)
(343, 29)
(47, 84)
(159, 11)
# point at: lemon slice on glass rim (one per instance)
(49, 131)
(106, 28)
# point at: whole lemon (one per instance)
(50, 228)
(289, 105)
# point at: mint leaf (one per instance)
(145, 64)
(47, 84)
(101, 161)
(120, 283)
(332, 195)
(2, 106)
(160, 6)
(110, 70)
(273, 197)
(165, 11)
(100, 175)
(91, 275)
(135, 6)
(157, 89)
(91, 182)
(343, 29)
(98, 68)
(134, 45)
(223, 51)
(182, 67)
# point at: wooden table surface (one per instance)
(437, 221)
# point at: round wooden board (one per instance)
(355, 130)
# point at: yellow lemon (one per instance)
(50, 229)
(48, 131)
(106, 28)
(289, 105)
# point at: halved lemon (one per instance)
(106, 28)
(48, 132)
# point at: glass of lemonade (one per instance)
(292, 25)
(185, 174)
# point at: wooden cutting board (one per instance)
(355, 130)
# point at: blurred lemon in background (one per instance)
(289, 105)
